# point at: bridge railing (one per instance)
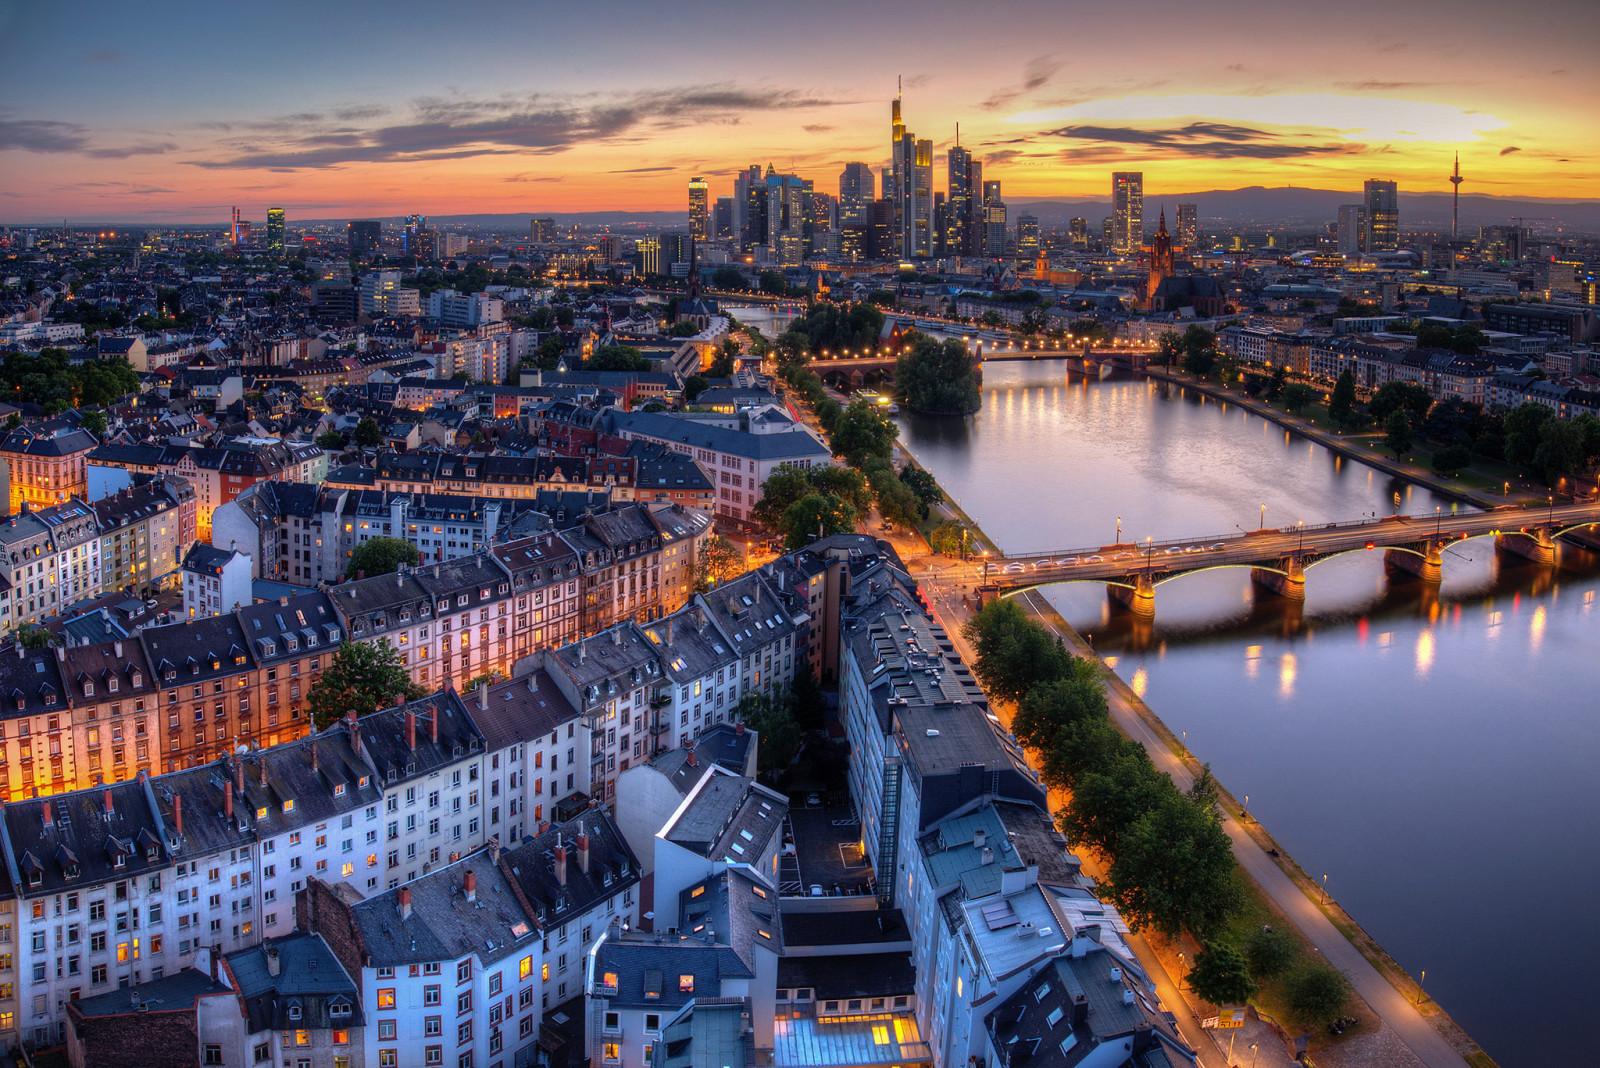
(1161, 544)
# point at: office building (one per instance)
(857, 190)
(1027, 236)
(722, 219)
(647, 256)
(382, 295)
(1188, 225)
(1352, 229)
(1382, 201)
(419, 242)
(912, 189)
(1127, 211)
(699, 213)
(1078, 232)
(541, 231)
(275, 231)
(676, 252)
(363, 235)
(960, 205)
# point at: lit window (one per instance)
(686, 984)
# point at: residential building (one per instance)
(215, 581)
(145, 532)
(47, 461)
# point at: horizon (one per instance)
(559, 105)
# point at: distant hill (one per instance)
(1290, 206)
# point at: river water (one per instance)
(1433, 752)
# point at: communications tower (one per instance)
(1455, 204)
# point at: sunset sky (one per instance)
(175, 111)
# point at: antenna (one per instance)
(899, 86)
(958, 134)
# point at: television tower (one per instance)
(1455, 204)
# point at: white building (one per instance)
(215, 581)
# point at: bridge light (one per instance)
(1371, 545)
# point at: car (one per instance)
(1012, 569)
(813, 800)
(1122, 556)
(1218, 547)
(1174, 549)
(1095, 560)
(1192, 549)
(816, 889)
(1067, 561)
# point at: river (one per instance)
(1432, 753)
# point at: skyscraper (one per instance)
(994, 220)
(1027, 236)
(750, 207)
(1188, 225)
(541, 231)
(1127, 211)
(1382, 201)
(676, 248)
(722, 219)
(699, 214)
(275, 231)
(912, 192)
(418, 238)
(857, 190)
(1352, 229)
(1078, 231)
(959, 203)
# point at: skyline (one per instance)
(179, 114)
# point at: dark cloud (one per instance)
(39, 135)
(154, 149)
(816, 127)
(445, 128)
(1209, 140)
(1509, 149)
(1035, 73)
(360, 111)
(1377, 86)
(642, 170)
(537, 178)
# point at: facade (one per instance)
(47, 461)
(1352, 229)
(1189, 226)
(215, 581)
(53, 561)
(1381, 200)
(1127, 211)
(145, 532)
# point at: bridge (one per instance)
(850, 368)
(1278, 559)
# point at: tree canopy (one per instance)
(50, 381)
(863, 430)
(772, 718)
(381, 556)
(617, 358)
(1221, 976)
(937, 376)
(363, 678)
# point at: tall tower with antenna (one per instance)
(1455, 204)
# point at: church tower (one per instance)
(1161, 261)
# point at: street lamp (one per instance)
(1300, 527)
(1119, 531)
(1254, 1053)
(1263, 525)
(1324, 888)
(1420, 994)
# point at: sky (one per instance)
(172, 111)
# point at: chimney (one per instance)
(411, 730)
(988, 855)
(360, 575)
(483, 695)
(693, 761)
(544, 827)
(261, 772)
(494, 850)
(561, 864)
(405, 902)
(227, 801)
(61, 653)
(582, 843)
(117, 648)
(111, 809)
(583, 651)
(316, 761)
(177, 814)
(669, 630)
(469, 885)
(738, 728)
(354, 726)
(273, 966)
(980, 838)
(238, 776)
(49, 820)
(433, 724)
(400, 579)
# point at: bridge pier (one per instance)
(1288, 583)
(1140, 598)
(1426, 566)
(1535, 545)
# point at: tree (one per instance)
(1317, 993)
(810, 707)
(863, 430)
(693, 386)
(1397, 432)
(896, 502)
(1169, 348)
(34, 636)
(363, 678)
(617, 358)
(1109, 799)
(771, 717)
(1175, 870)
(1522, 426)
(792, 346)
(1449, 461)
(728, 278)
(1279, 379)
(94, 421)
(1014, 654)
(1342, 405)
(948, 538)
(1297, 395)
(332, 441)
(937, 377)
(367, 433)
(773, 283)
(923, 484)
(683, 329)
(1221, 976)
(381, 556)
(1199, 351)
(1270, 952)
(1415, 400)
(1560, 451)
(847, 482)
(816, 515)
(716, 563)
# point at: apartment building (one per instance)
(47, 461)
(52, 555)
(145, 530)
(495, 475)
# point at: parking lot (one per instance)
(827, 853)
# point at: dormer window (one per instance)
(88, 688)
(111, 684)
(138, 679)
(294, 1012)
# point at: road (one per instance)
(1388, 1003)
(1163, 557)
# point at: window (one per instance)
(430, 995)
(388, 1058)
(686, 984)
(213, 1053)
(386, 997)
(386, 1030)
(463, 971)
(433, 1055)
(464, 1002)
(432, 1025)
